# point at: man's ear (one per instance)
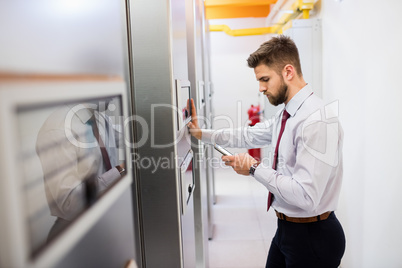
(288, 72)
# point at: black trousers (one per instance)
(318, 244)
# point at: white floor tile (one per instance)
(232, 201)
(237, 231)
(268, 224)
(233, 254)
(235, 214)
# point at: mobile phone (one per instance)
(222, 150)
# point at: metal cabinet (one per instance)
(60, 46)
(198, 66)
(161, 90)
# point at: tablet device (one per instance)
(222, 150)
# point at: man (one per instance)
(78, 149)
(305, 177)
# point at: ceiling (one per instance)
(279, 14)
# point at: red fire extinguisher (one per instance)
(254, 118)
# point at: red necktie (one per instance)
(105, 156)
(285, 117)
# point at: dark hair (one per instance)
(276, 54)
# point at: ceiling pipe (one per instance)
(298, 8)
(275, 10)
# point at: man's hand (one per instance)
(193, 125)
(241, 163)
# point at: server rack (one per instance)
(199, 76)
(161, 90)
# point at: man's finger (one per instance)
(228, 158)
(193, 110)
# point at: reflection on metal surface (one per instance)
(186, 180)
(68, 153)
(183, 94)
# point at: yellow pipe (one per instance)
(304, 6)
(285, 27)
(306, 13)
(285, 22)
(298, 7)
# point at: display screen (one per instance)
(68, 154)
(184, 109)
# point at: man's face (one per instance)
(271, 84)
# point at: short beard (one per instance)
(282, 93)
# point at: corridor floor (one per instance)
(243, 229)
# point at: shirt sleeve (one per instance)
(256, 136)
(317, 153)
(60, 168)
(107, 178)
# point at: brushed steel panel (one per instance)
(160, 57)
(63, 37)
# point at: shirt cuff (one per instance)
(265, 176)
(109, 177)
(207, 135)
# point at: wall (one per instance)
(361, 58)
(234, 83)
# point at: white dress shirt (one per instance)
(69, 155)
(309, 172)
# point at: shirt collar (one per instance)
(298, 99)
